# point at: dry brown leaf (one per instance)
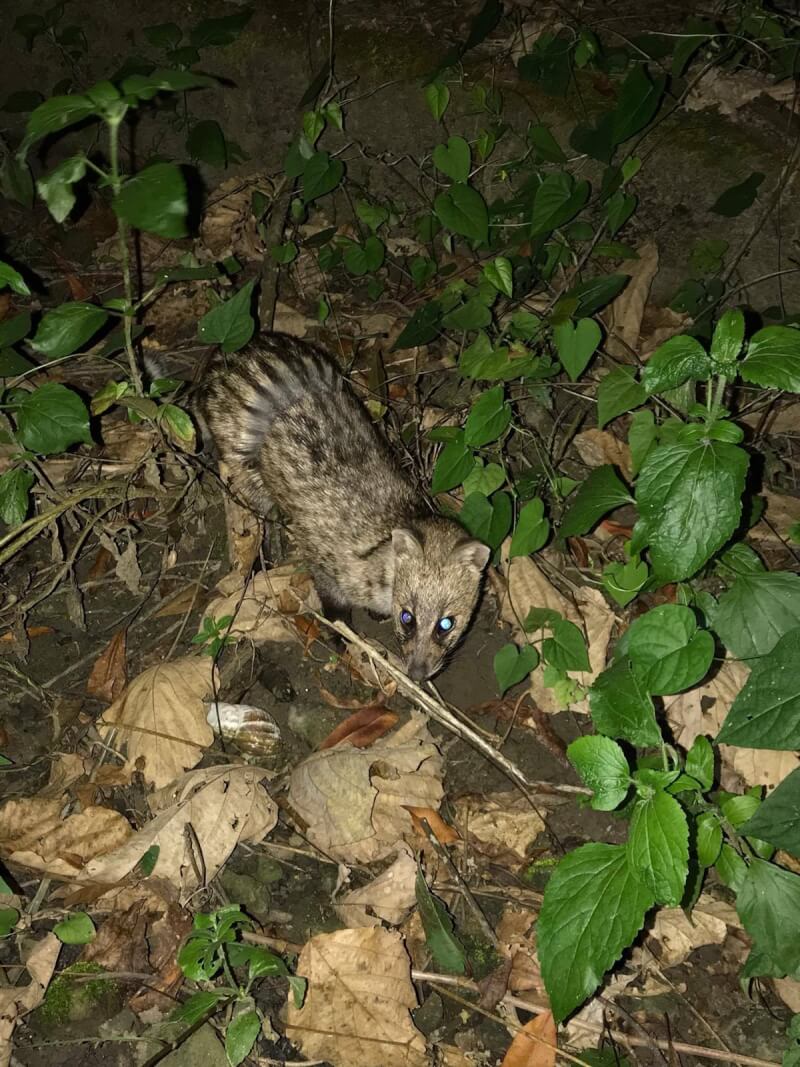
(263, 610)
(517, 934)
(658, 325)
(443, 833)
(730, 92)
(181, 602)
(161, 718)
(788, 989)
(31, 632)
(702, 710)
(36, 836)
(200, 819)
(679, 934)
(17, 1001)
(388, 898)
(536, 1045)
(362, 727)
(108, 676)
(359, 1001)
(598, 447)
(781, 511)
(66, 769)
(624, 315)
(501, 825)
(354, 801)
(229, 227)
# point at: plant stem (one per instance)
(719, 393)
(122, 237)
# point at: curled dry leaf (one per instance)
(245, 531)
(354, 801)
(679, 934)
(160, 719)
(360, 996)
(362, 727)
(108, 676)
(516, 933)
(624, 315)
(502, 825)
(35, 835)
(229, 227)
(730, 92)
(443, 833)
(388, 898)
(658, 325)
(535, 1045)
(17, 1001)
(263, 609)
(597, 447)
(702, 710)
(781, 511)
(199, 821)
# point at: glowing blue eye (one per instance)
(447, 623)
(406, 617)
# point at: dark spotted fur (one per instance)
(292, 433)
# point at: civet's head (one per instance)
(438, 572)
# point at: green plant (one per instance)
(214, 950)
(213, 635)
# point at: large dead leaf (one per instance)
(598, 447)
(263, 609)
(388, 898)
(108, 676)
(357, 1011)
(516, 933)
(678, 934)
(37, 836)
(535, 1045)
(354, 801)
(502, 825)
(17, 1001)
(625, 314)
(160, 719)
(199, 821)
(702, 710)
(730, 92)
(781, 512)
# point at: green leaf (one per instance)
(481, 362)
(642, 435)
(658, 847)
(488, 520)
(768, 903)
(499, 274)
(548, 64)
(446, 949)
(773, 359)
(532, 529)
(437, 97)
(52, 418)
(731, 868)
(321, 175)
(14, 329)
(709, 839)
(9, 917)
(453, 465)
(639, 99)
(766, 712)
(285, 253)
(15, 486)
(738, 198)
(512, 664)
(56, 187)
(53, 115)
(484, 479)
(622, 581)
(593, 908)
(621, 706)
(155, 200)
(220, 31)
(757, 611)
(231, 323)
(618, 393)
(422, 327)
(488, 418)
(462, 210)
(206, 142)
(164, 35)
(13, 279)
(566, 649)
(667, 651)
(364, 259)
(66, 328)
(546, 146)
(240, 1036)
(558, 199)
(726, 344)
(470, 316)
(76, 929)
(197, 1007)
(602, 765)
(618, 210)
(453, 159)
(700, 762)
(146, 86)
(678, 360)
(689, 501)
(777, 820)
(16, 182)
(602, 491)
(576, 343)
(595, 293)
(374, 215)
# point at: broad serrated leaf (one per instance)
(658, 847)
(558, 199)
(766, 712)
(76, 929)
(65, 329)
(668, 653)
(642, 435)
(566, 649)
(726, 344)
(231, 323)
(488, 418)
(321, 175)
(773, 359)
(15, 487)
(593, 908)
(617, 394)
(576, 343)
(56, 187)
(453, 465)
(462, 210)
(602, 765)
(240, 1036)
(532, 529)
(621, 706)
(757, 610)
(422, 327)
(53, 115)
(512, 664)
(155, 200)
(700, 761)
(708, 840)
(689, 502)
(680, 359)
(602, 491)
(453, 159)
(446, 949)
(768, 903)
(777, 820)
(52, 418)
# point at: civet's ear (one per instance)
(405, 543)
(471, 554)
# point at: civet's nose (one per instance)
(418, 670)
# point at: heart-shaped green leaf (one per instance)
(463, 211)
(512, 664)
(576, 343)
(453, 159)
